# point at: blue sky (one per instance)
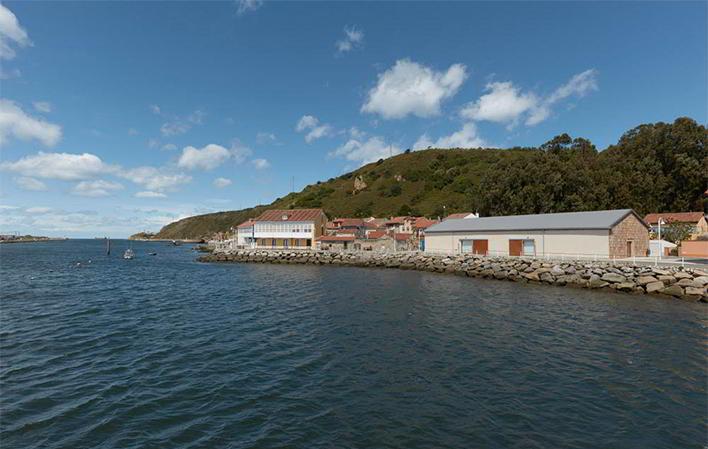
(117, 117)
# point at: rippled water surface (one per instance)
(163, 352)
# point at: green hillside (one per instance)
(654, 167)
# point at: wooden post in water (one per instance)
(108, 246)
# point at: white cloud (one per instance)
(38, 210)
(28, 183)
(260, 164)
(503, 104)
(155, 179)
(207, 158)
(353, 38)
(169, 147)
(95, 189)
(15, 123)
(63, 166)
(466, 137)
(222, 182)
(315, 129)
(240, 152)
(506, 103)
(150, 194)
(365, 151)
(245, 6)
(174, 128)
(263, 138)
(411, 88)
(176, 125)
(42, 106)
(11, 32)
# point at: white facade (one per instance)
(554, 243)
(286, 230)
(657, 248)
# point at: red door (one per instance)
(479, 247)
(515, 247)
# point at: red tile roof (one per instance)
(336, 238)
(679, 217)
(457, 215)
(246, 224)
(348, 222)
(290, 215)
(374, 235)
(402, 236)
(423, 223)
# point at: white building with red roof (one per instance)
(288, 228)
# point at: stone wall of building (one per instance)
(629, 229)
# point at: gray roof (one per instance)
(604, 219)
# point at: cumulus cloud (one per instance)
(15, 123)
(38, 210)
(245, 6)
(150, 194)
(409, 88)
(42, 106)
(353, 38)
(260, 164)
(506, 103)
(63, 166)
(467, 137)
(207, 158)
(95, 189)
(11, 33)
(315, 130)
(155, 179)
(28, 183)
(365, 151)
(222, 182)
(239, 152)
(503, 103)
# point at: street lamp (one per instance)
(661, 243)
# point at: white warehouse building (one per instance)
(603, 234)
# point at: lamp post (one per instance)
(661, 243)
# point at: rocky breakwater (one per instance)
(687, 284)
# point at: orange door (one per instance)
(515, 247)
(480, 247)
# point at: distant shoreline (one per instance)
(35, 240)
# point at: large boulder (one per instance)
(613, 277)
(644, 280)
(654, 287)
(673, 290)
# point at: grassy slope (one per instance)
(380, 198)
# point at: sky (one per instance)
(119, 117)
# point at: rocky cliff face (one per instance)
(686, 284)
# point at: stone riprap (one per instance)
(683, 283)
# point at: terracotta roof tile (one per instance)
(290, 215)
(402, 236)
(246, 224)
(679, 217)
(374, 235)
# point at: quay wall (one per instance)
(670, 282)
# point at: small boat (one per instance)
(128, 254)
(152, 254)
(176, 242)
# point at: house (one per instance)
(340, 226)
(378, 241)
(660, 248)
(244, 234)
(288, 228)
(335, 242)
(695, 219)
(603, 234)
(405, 241)
(460, 215)
(400, 224)
(419, 227)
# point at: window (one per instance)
(529, 248)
